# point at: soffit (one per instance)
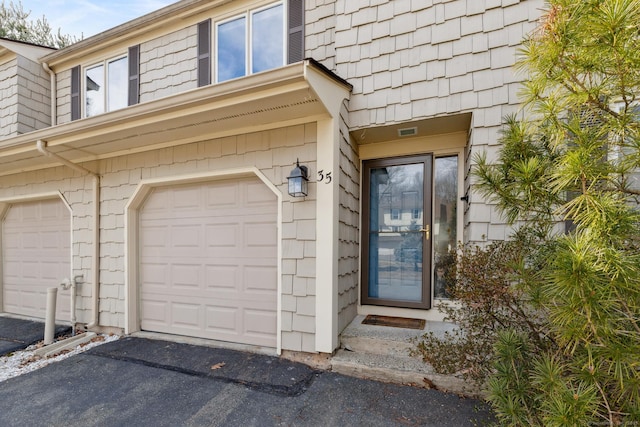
(425, 127)
(262, 101)
(6, 55)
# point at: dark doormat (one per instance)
(395, 322)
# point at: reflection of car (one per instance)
(410, 255)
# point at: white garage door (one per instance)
(36, 255)
(208, 257)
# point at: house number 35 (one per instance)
(326, 177)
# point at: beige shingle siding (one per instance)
(320, 23)
(349, 234)
(25, 97)
(63, 98)
(9, 99)
(457, 55)
(168, 64)
(410, 60)
(298, 238)
(34, 92)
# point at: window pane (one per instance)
(395, 239)
(445, 223)
(267, 39)
(94, 91)
(231, 49)
(117, 86)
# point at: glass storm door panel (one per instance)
(397, 248)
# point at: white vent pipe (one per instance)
(50, 321)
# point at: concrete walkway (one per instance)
(143, 382)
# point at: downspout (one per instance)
(54, 101)
(41, 146)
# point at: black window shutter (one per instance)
(204, 53)
(296, 31)
(75, 93)
(134, 74)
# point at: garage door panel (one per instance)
(219, 241)
(222, 194)
(154, 273)
(222, 235)
(155, 311)
(186, 198)
(260, 234)
(36, 255)
(11, 270)
(50, 240)
(258, 193)
(186, 315)
(29, 270)
(53, 270)
(12, 300)
(186, 236)
(155, 237)
(260, 279)
(30, 240)
(29, 300)
(11, 239)
(155, 204)
(226, 297)
(221, 276)
(222, 319)
(260, 322)
(187, 276)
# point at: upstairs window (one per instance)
(106, 86)
(250, 43)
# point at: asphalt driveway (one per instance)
(17, 334)
(143, 382)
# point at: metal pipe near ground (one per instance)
(50, 322)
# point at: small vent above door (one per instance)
(408, 132)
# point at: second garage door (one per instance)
(36, 255)
(208, 255)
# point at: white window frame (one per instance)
(248, 15)
(105, 99)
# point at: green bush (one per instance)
(549, 321)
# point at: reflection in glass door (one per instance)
(397, 249)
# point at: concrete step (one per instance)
(386, 340)
(398, 370)
(383, 353)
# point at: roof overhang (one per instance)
(28, 50)
(294, 94)
(181, 13)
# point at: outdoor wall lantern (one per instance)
(298, 180)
